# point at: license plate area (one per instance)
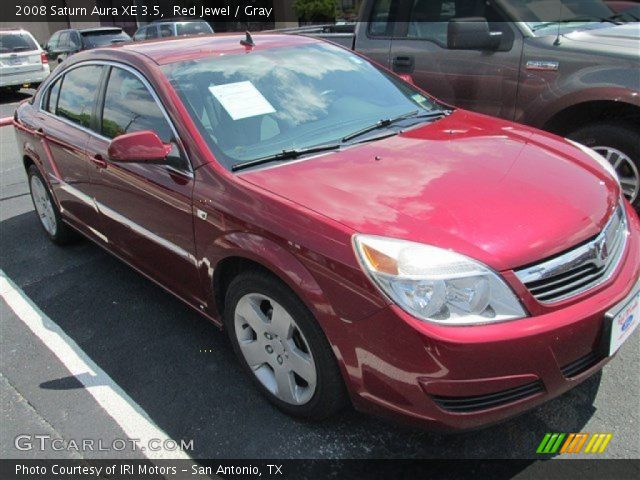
(621, 321)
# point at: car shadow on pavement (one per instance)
(182, 371)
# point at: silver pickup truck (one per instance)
(573, 69)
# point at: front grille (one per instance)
(490, 400)
(580, 269)
(581, 365)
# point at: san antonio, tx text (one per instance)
(145, 469)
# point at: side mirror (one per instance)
(471, 33)
(138, 147)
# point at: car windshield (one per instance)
(544, 17)
(258, 104)
(16, 42)
(104, 38)
(193, 28)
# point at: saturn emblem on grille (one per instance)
(602, 251)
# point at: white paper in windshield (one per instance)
(241, 100)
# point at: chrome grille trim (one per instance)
(580, 269)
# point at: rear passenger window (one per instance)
(166, 30)
(77, 93)
(129, 107)
(52, 97)
(152, 32)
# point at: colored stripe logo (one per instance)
(574, 443)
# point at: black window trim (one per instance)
(102, 85)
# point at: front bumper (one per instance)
(457, 378)
(25, 78)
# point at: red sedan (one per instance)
(357, 239)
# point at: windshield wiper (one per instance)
(285, 155)
(390, 121)
(571, 20)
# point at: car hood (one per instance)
(505, 194)
(621, 39)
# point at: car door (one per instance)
(146, 207)
(66, 116)
(373, 38)
(482, 80)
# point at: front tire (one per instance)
(47, 210)
(620, 145)
(282, 348)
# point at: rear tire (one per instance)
(47, 210)
(259, 309)
(620, 144)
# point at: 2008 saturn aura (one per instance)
(359, 240)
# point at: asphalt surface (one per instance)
(181, 370)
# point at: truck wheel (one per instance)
(47, 210)
(281, 347)
(620, 145)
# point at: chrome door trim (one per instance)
(144, 81)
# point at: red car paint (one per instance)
(502, 193)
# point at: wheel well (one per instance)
(27, 162)
(226, 271)
(577, 116)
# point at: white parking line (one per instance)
(133, 420)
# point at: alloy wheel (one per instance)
(43, 205)
(275, 349)
(625, 168)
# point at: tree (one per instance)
(315, 10)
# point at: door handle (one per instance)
(403, 64)
(99, 161)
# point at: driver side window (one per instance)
(429, 19)
(130, 107)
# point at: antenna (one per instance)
(248, 41)
(560, 15)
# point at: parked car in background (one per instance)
(23, 62)
(354, 236)
(172, 29)
(64, 43)
(570, 68)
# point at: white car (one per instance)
(22, 61)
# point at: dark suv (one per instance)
(67, 42)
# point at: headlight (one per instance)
(437, 285)
(604, 163)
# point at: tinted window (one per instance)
(104, 38)
(429, 19)
(63, 43)
(193, 28)
(16, 42)
(139, 35)
(53, 41)
(52, 99)
(166, 30)
(74, 41)
(152, 32)
(383, 17)
(77, 94)
(129, 107)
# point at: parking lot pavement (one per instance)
(180, 370)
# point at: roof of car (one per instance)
(164, 51)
